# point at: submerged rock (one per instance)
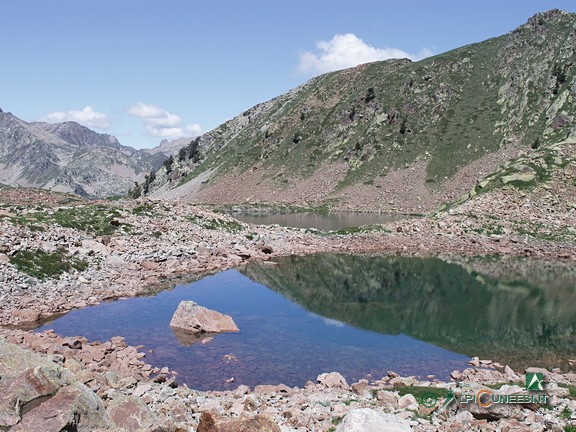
(192, 317)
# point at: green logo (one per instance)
(428, 400)
(448, 399)
(535, 381)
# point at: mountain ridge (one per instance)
(69, 157)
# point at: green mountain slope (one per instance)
(393, 135)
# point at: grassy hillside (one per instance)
(430, 129)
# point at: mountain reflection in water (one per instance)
(528, 319)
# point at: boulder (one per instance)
(494, 411)
(333, 380)
(255, 424)
(360, 386)
(131, 413)
(14, 360)
(24, 316)
(209, 422)
(388, 398)
(192, 317)
(369, 420)
(73, 407)
(407, 400)
(31, 386)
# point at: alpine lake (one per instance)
(360, 315)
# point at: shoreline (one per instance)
(117, 374)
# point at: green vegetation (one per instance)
(42, 265)
(98, 219)
(571, 388)
(337, 420)
(148, 180)
(421, 393)
(145, 209)
(168, 164)
(216, 223)
(566, 413)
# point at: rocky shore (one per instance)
(58, 253)
(108, 386)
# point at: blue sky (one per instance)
(145, 70)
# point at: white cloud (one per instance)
(348, 50)
(194, 129)
(87, 117)
(161, 123)
(145, 110)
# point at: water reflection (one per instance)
(359, 315)
(517, 320)
(323, 222)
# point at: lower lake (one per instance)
(358, 315)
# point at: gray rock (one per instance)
(369, 420)
(34, 385)
(14, 360)
(407, 400)
(389, 399)
(493, 411)
(73, 407)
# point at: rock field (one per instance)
(93, 251)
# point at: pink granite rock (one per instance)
(197, 319)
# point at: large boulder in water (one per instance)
(193, 318)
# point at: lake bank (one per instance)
(125, 392)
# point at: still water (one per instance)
(359, 315)
(323, 222)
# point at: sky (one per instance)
(147, 70)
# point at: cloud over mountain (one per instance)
(87, 117)
(348, 50)
(161, 123)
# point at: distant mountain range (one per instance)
(69, 157)
(395, 135)
(169, 148)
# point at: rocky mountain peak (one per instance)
(69, 157)
(547, 18)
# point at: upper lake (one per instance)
(359, 315)
(319, 221)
